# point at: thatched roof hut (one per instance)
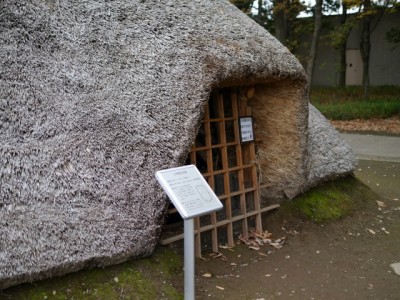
(95, 97)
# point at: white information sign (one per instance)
(188, 191)
(246, 129)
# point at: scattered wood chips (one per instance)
(256, 239)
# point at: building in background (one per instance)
(384, 59)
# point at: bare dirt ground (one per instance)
(346, 259)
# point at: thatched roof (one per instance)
(329, 155)
(97, 96)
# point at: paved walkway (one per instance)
(374, 147)
(378, 162)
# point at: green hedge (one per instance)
(348, 103)
(359, 110)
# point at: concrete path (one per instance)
(378, 162)
(374, 147)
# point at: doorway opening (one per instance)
(230, 168)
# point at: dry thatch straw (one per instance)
(96, 96)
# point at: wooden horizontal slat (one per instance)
(232, 194)
(220, 224)
(218, 120)
(232, 169)
(215, 146)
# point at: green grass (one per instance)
(348, 103)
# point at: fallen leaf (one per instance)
(203, 258)
(243, 240)
(220, 287)
(224, 247)
(254, 248)
(207, 275)
(276, 245)
(218, 255)
(396, 268)
(380, 203)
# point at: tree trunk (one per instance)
(365, 45)
(342, 50)
(281, 26)
(314, 42)
(260, 8)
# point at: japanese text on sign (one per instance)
(188, 191)
(246, 129)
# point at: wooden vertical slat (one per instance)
(225, 166)
(197, 237)
(210, 170)
(192, 156)
(254, 180)
(236, 114)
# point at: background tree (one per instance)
(338, 36)
(243, 5)
(342, 45)
(365, 43)
(314, 41)
(281, 17)
(393, 36)
(369, 10)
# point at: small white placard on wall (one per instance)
(188, 191)
(246, 129)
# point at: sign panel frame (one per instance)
(189, 191)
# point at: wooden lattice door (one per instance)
(230, 168)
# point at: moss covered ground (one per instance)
(156, 277)
(330, 201)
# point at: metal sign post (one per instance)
(192, 197)
(189, 259)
